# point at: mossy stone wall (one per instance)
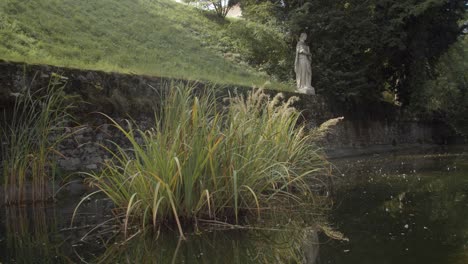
(126, 95)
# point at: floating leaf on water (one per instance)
(333, 234)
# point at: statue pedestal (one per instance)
(307, 90)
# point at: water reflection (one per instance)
(228, 246)
(28, 236)
(403, 209)
(41, 233)
(310, 247)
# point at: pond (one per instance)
(400, 207)
(409, 207)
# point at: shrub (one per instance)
(264, 46)
(203, 161)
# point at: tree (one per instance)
(447, 93)
(362, 48)
(221, 7)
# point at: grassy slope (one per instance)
(154, 37)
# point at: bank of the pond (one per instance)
(366, 129)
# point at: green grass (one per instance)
(203, 161)
(151, 37)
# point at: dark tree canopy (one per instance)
(362, 48)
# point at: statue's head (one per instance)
(303, 37)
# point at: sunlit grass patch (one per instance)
(158, 38)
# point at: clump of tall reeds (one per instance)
(30, 133)
(204, 161)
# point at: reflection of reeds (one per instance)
(199, 161)
(21, 238)
(28, 235)
(229, 246)
(28, 141)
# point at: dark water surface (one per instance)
(407, 207)
(403, 207)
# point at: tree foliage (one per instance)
(221, 7)
(447, 93)
(263, 46)
(362, 48)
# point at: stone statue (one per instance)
(302, 67)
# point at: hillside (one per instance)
(152, 37)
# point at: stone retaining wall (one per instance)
(123, 95)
